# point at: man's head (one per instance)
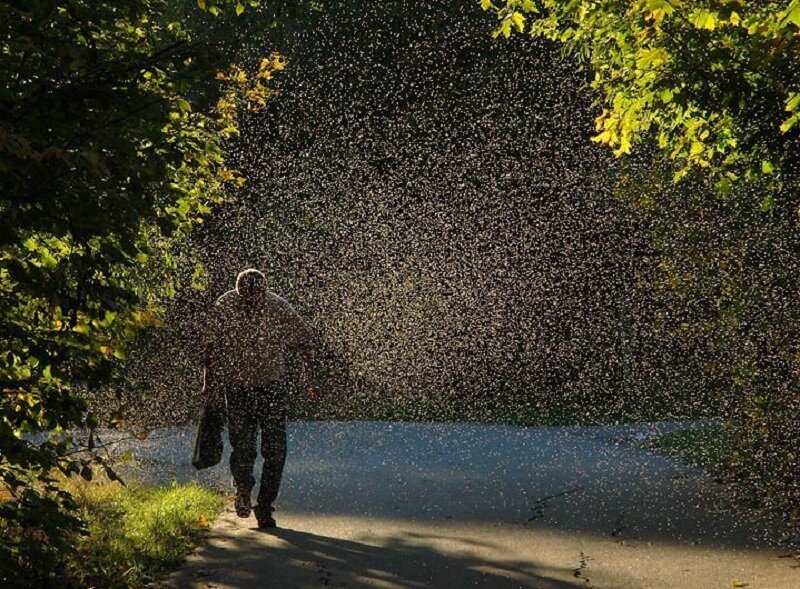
(251, 285)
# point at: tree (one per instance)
(712, 82)
(712, 86)
(114, 119)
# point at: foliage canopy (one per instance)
(715, 83)
(113, 124)
(713, 86)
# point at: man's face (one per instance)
(252, 288)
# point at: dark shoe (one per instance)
(242, 503)
(264, 517)
(266, 521)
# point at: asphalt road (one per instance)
(407, 506)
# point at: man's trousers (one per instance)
(250, 410)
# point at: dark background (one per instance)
(429, 198)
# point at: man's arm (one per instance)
(306, 344)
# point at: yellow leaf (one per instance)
(705, 19)
(518, 20)
(147, 318)
(278, 62)
(792, 101)
(486, 4)
(604, 137)
(201, 4)
(202, 522)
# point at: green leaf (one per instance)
(705, 19)
(48, 261)
(789, 123)
(724, 186)
(792, 14)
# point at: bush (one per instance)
(137, 533)
(127, 536)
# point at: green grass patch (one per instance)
(709, 447)
(136, 534)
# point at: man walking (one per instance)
(253, 335)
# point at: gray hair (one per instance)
(248, 275)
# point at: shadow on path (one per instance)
(403, 560)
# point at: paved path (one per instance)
(408, 506)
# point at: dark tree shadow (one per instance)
(401, 561)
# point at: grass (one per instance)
(709, 447)
(136, 534)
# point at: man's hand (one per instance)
(311, 392)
